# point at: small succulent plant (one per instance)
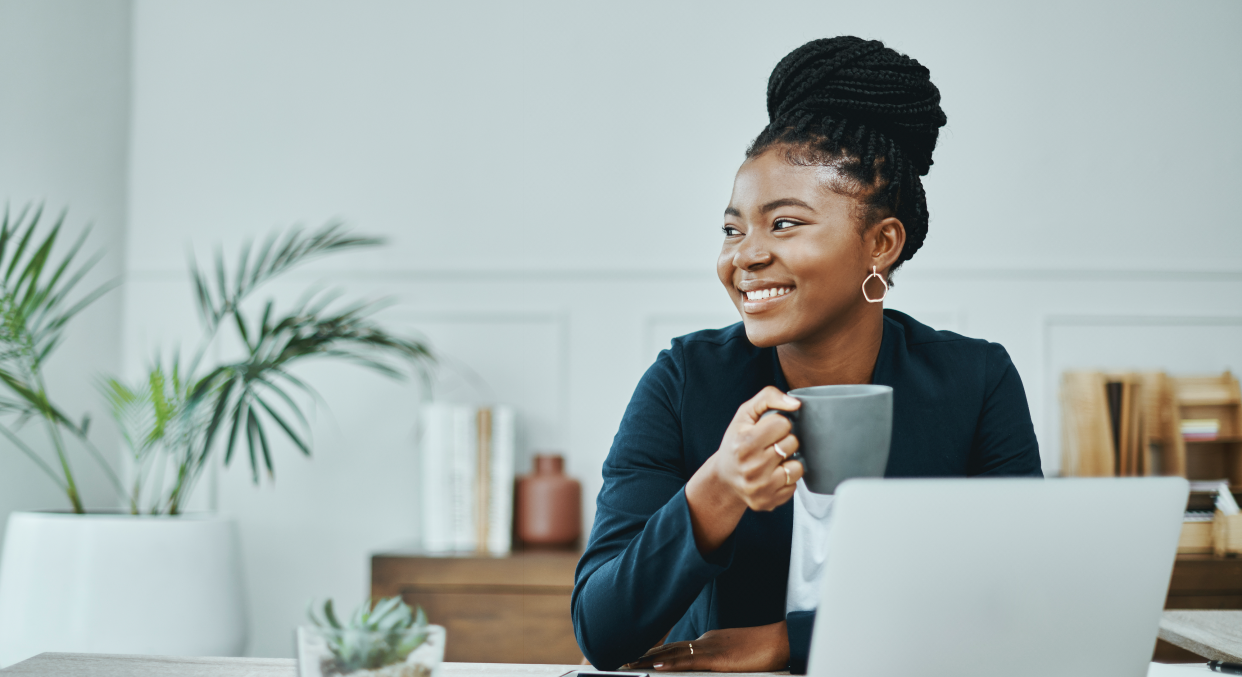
(375, 636)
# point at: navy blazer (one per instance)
(959, 410)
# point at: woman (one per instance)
(692, 533)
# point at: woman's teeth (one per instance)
(760, 294)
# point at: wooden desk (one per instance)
(1213, 634)
(1200, 582)
(105, 665)
(101, 665)
(497, 609)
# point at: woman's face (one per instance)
(793, 259)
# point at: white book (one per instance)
(465, 453)
(435, 462)
(500, 504)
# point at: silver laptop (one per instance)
(1011, 577)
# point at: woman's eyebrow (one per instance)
(775, 204)
(785, 202)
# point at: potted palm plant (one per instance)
(128, 566)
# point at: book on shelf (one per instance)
(1208, 486)
(1200, 429)
(466, 458)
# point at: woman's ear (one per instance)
(887, 238)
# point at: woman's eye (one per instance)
(730, 231)
(782, 224)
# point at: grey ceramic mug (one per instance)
(843, 432)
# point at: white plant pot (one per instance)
(121, 584)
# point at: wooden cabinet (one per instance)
(1217, 455)
(1205, 582)
(497, 609)
(1200, 582)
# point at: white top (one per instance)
(810, 548)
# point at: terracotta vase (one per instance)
(549, 505)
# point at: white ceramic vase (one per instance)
(121, 584)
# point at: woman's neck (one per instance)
(841, 354)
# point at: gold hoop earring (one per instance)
(868, 279)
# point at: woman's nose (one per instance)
(752, 255)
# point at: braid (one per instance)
(867, 110)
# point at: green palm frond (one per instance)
(249, 394)
(277, 255)
(132, 411)
(36, 304)
(240, 404)
(38, 298)
(155, 420)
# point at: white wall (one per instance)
(551, 175)
(64, 120)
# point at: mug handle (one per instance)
(793, 418)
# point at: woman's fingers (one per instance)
(677, 657)
(769, 398)
(681, 661)
(660, 654)
(786, 447)
(776, 486)
(761, 436)
(753, 447)
(757, 649)
(787, 475)
(782, 484)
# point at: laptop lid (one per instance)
(996, 576)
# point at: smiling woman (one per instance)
(688, 564)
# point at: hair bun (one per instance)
(846, 81)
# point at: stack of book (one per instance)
(1200, 429)
(467, 457)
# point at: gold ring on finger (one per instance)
(786, 469)
(777, 447)
(691, 648)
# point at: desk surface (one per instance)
(109, 665)
(1214, 634)
(105, 665)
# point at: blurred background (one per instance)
(550, 178)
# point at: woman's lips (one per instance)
(760, 300)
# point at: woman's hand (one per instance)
(760, 649)
(747, 471)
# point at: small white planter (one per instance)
(121, 584)
(315, 659)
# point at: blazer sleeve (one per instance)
(1004, 443)
(641, 570)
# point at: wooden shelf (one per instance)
(1210, 397)
(498, 609)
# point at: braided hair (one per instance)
(865, 110)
